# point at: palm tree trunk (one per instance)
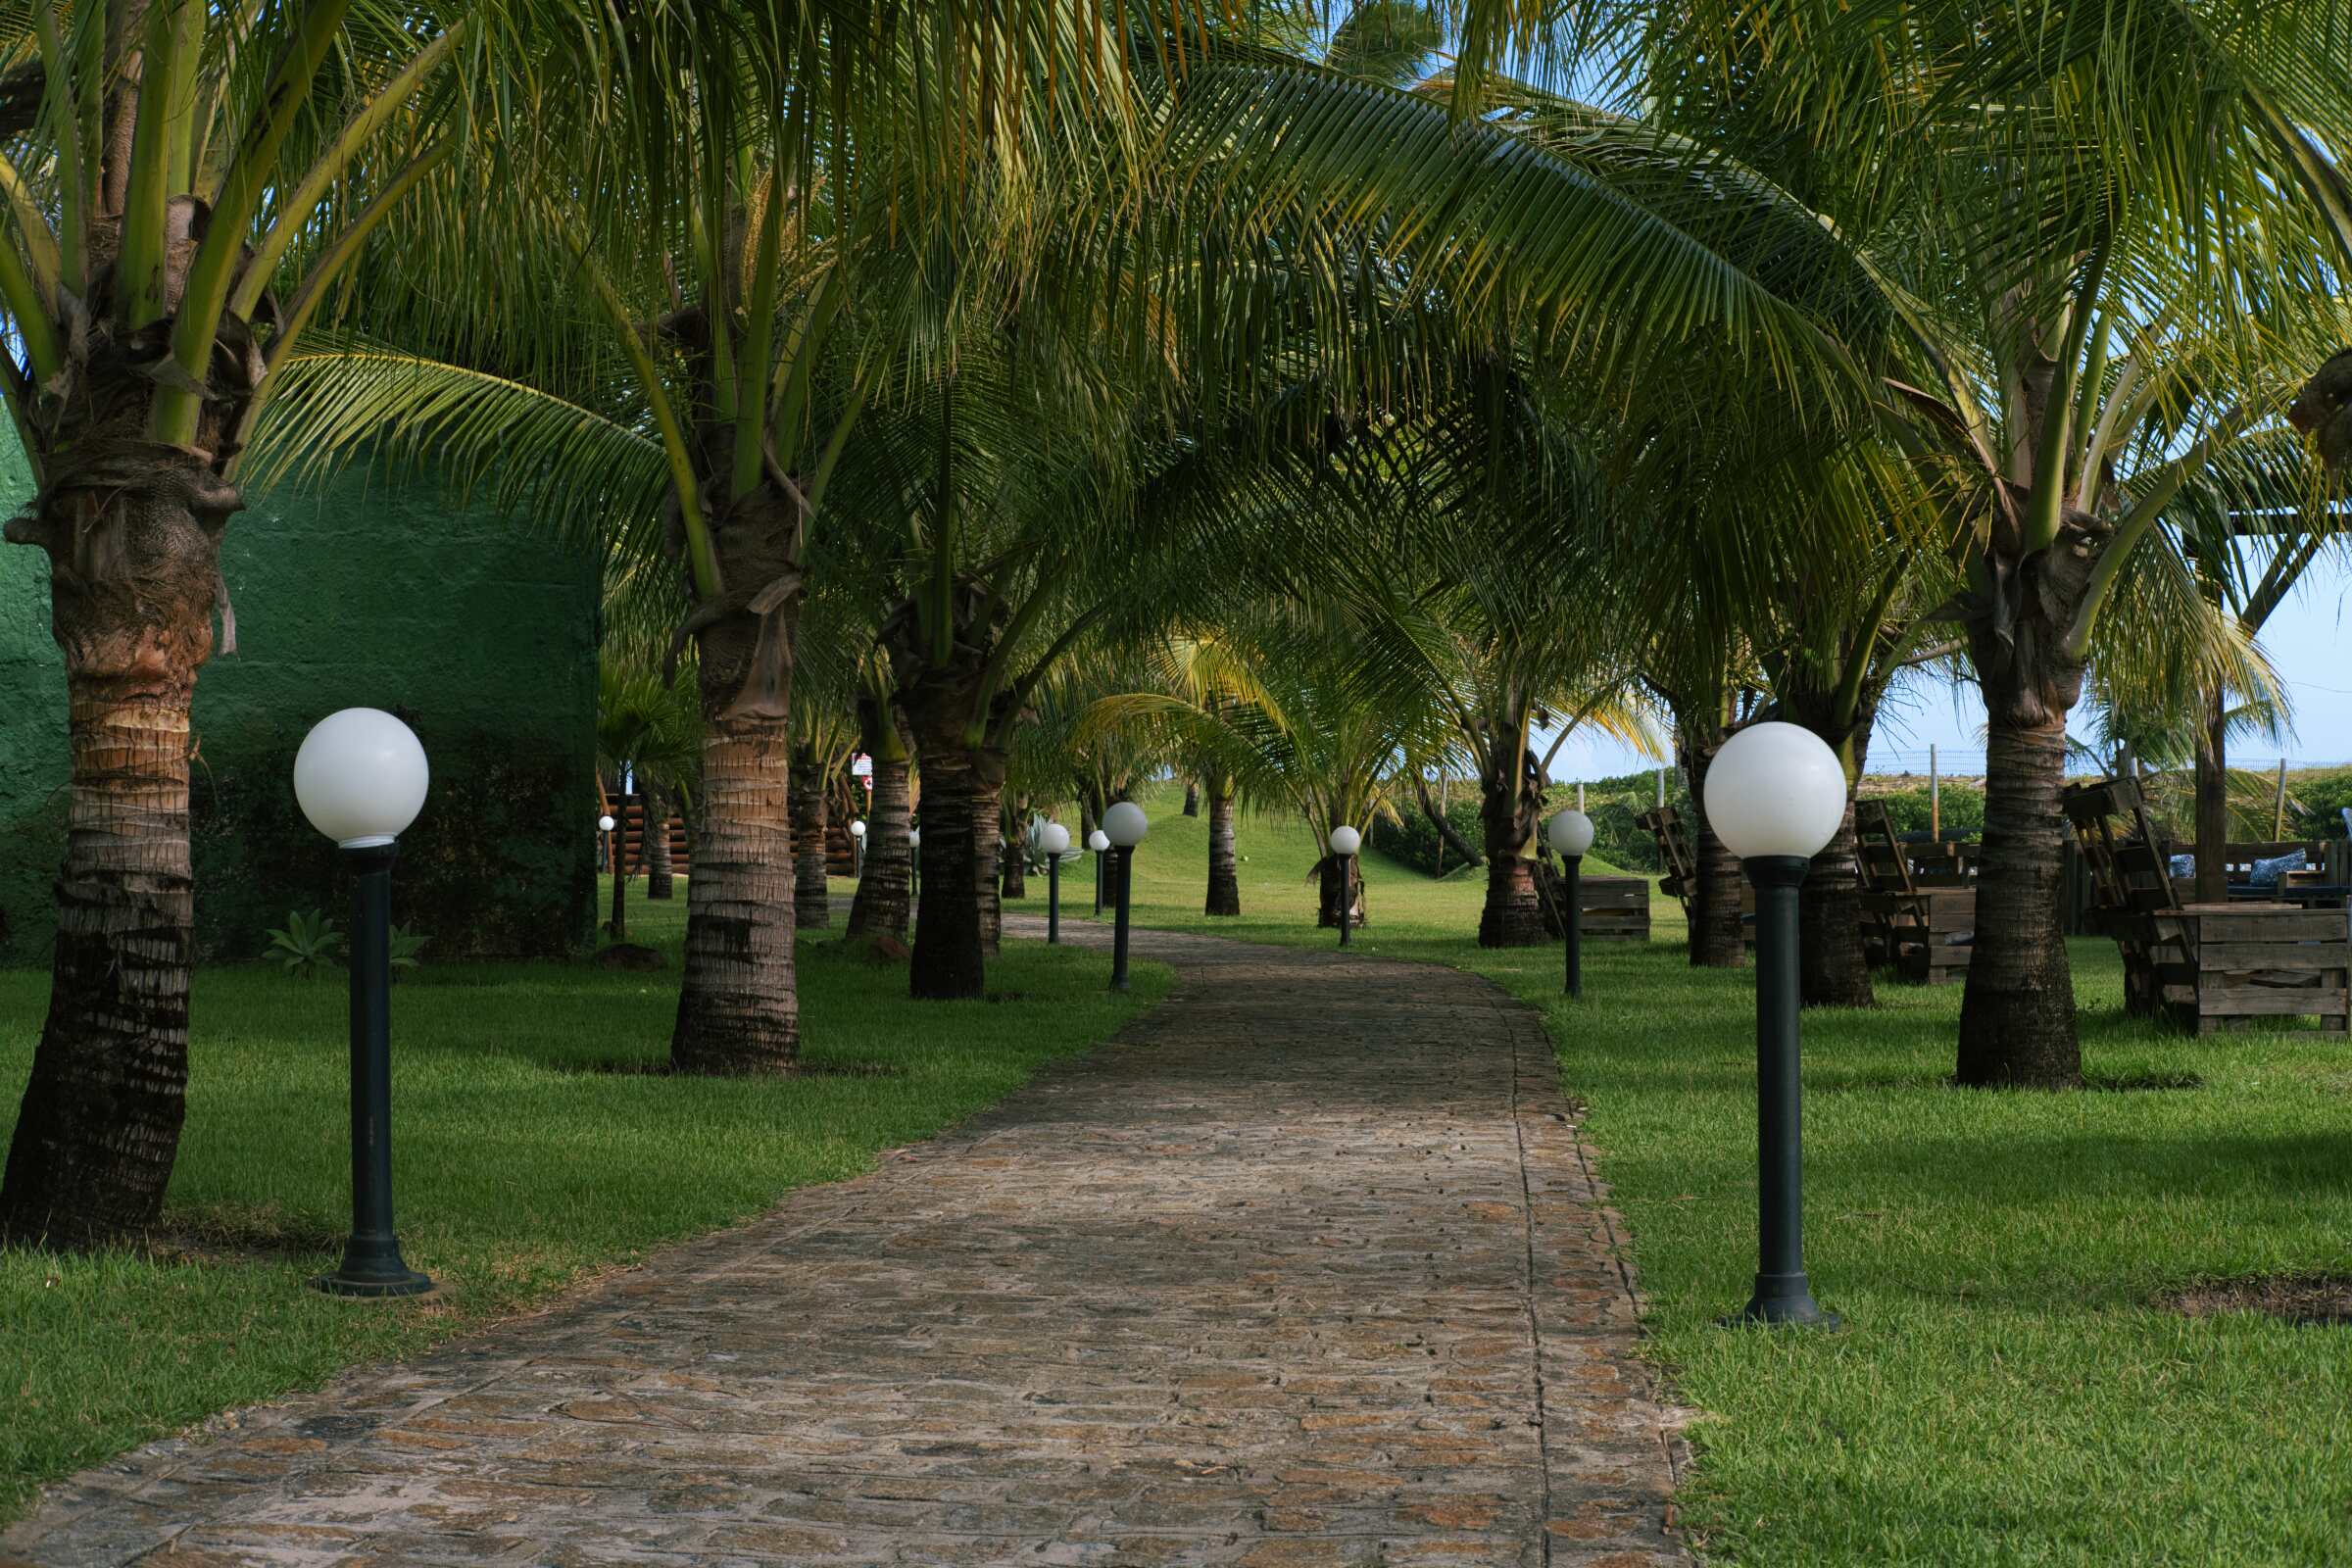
(881, 903)
(657, 844)
(950, 939)
(2017, 1019)
(1718, 938)
(2213, 804)
(1831, 969)
(100, 1122)
(1191, 797)
(812, 897)
(1338, 879)
(1514, 913)
(1015, 881)
(988, 797)
(738, 1009)
(1224, 868)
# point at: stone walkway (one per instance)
(1307, 1268)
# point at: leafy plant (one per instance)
(406, 946)
(309, 943)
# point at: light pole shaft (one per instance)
(372, 1261)
(1053, 899)
(1782, 1294)
(1124, 874)
(1347, 895)
(1572, 921)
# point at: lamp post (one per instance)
(1054, 838)
(1774, 795)
(857, 848)
(1345, 842)
(1099, 842)
(605, 825)
(1571, 835)
(1124, 825)
(361, 777)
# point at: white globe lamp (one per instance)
(1345, 841)
(858, 828)
(361, 777)
(1126, 824)
(1570, 834)
(1097, 841)
(1775, 789)
(606, 824)
(1054, 838)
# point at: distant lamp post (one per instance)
(1099, 842)
(914, 862)
(857, 848)
(1054, 840)
(1345, 842)
(1775, 795)
(1571, 835)
(604, 826)
(361, 778)
(1124, 825)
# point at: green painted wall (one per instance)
(482, 637)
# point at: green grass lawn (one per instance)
(520, 1168)
(2005, 1389)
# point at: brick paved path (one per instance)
(1306, 1268)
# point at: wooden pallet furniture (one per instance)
(628, 812)
(1616, 908)
(1672, 835)
(1924, 930)
(2204, 966)
(2227, 965)
(1664, 825)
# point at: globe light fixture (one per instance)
(1345, 842)
(605, 824)
(1570, 835)
(1099, 842)
(1775, 795)
(1124, 825)
(858, 828)
(361, 778)
(1054, 840)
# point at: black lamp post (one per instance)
(1054, 840)
(1124, 825)
(1345, 842)
(914, 864)
(361, 778)
(858, 850)
(1775, 795)
(1571, 834)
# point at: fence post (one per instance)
(1935, 796)
(2278, 811)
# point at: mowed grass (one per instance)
(2006, 1389)
(521, 1165)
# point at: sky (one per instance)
(2308, 641)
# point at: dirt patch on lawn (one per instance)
(2318, 1300)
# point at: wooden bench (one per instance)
(1926, 933)
(1616, 908)
(2202, 965)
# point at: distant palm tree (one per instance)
(652, 729)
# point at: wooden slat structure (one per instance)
(1664, 824)
(2204, 965)
(1616, 908)
(628, 812)
(1919, 918)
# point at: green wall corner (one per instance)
(479, 634)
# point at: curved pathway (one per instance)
(1306, 1267)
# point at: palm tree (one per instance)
(185, 188)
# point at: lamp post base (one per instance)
(1781, 1301)
(373, 1268)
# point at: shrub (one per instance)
(2317, 806)
(308, 944)
(1963, 809)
